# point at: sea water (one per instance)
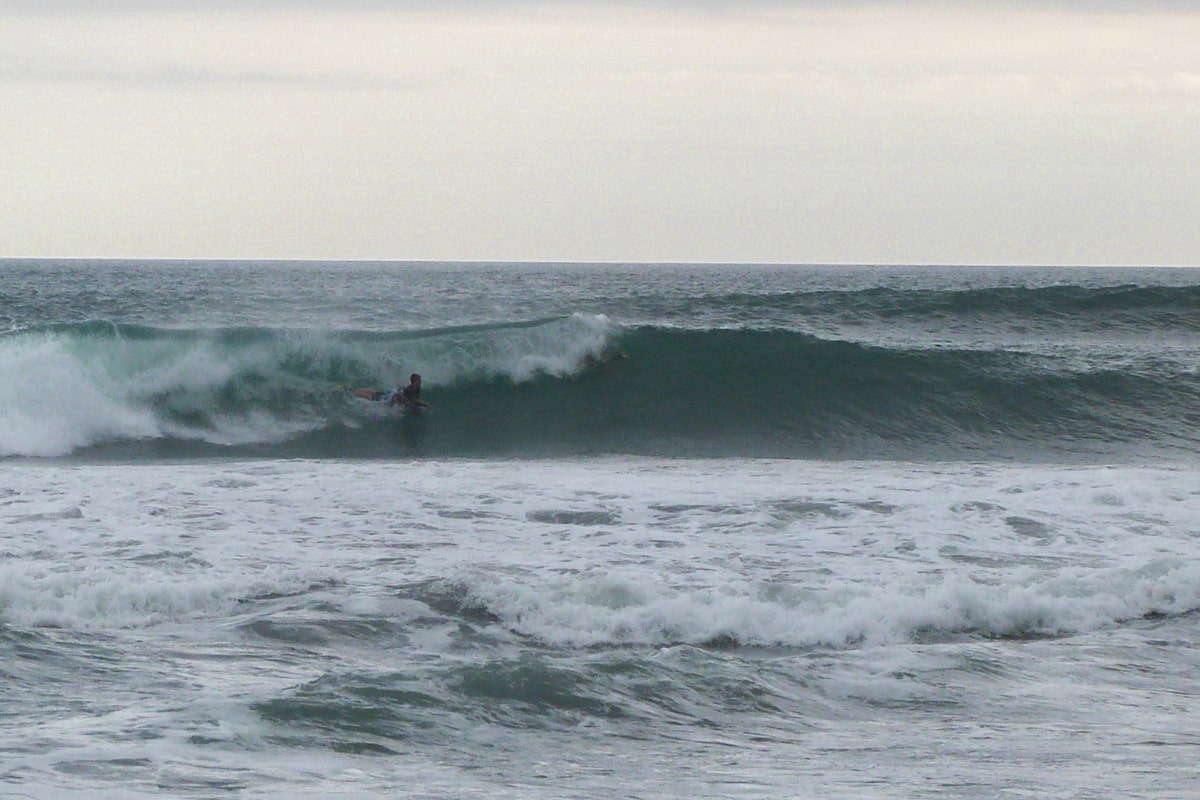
(668, 531)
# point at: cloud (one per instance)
(183, 75)
(883, 131)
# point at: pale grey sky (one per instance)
(891, 132)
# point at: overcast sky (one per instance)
(754, 131)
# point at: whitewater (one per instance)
(668, 531)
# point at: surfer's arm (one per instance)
(402, 398)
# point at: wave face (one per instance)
(576, 385)
(723, 362)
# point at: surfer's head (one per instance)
(414, 378)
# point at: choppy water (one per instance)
(821, 533)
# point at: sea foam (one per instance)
(52, 401)
(631, 610)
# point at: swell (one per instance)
(1088, 307)
(579, 385)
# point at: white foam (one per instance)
(558, 348)
(253, 427)
(111, 597)
(608, 610)
(52, 402)
(619, 551)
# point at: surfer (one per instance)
(410, 396)
(406, 396)
(390, 398)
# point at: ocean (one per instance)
(668, 531)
